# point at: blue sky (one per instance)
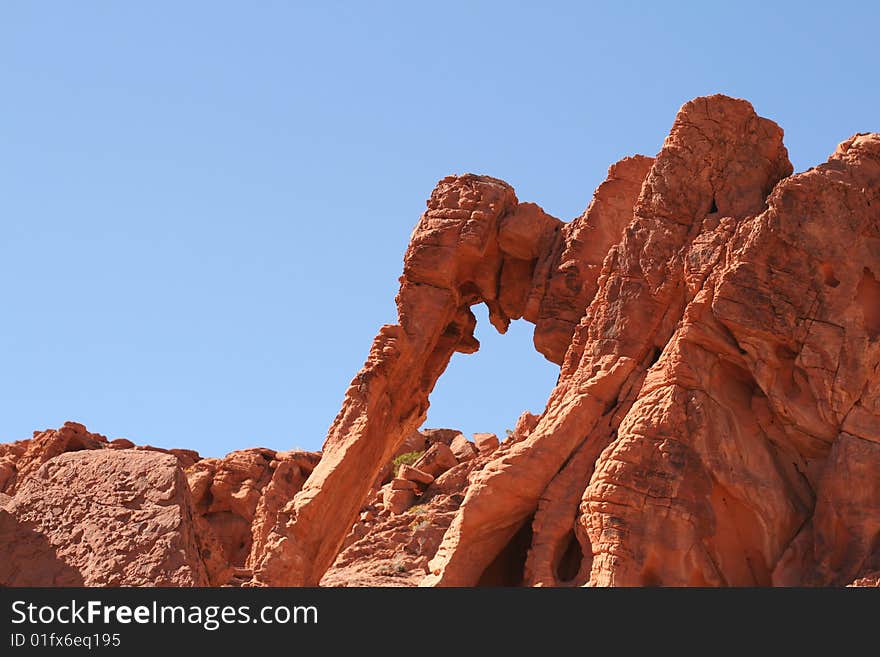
(205, 205)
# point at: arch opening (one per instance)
(487, 391)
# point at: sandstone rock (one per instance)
(238, 482)
(414, 474)
(235, 499)
(416, 441)
(759, 382)
(437, 460)
(71, 437)
(445, 436)
(454, 261)
(486, 443)
(455, 480)
(720, 160)
(403, 484)
(7, 471)
(185, 457)
(290, 472)
(840, 540)
(101, 518)
(393, 550)
(239, 497)
(524, 426)
(578, 257)
(213, 553)
(15, 450)
(523, 231)
(398, 500)
(462, 448)
(458, 257)
(716, 420)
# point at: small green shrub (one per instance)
(405, 459)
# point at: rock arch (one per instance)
(476, 243)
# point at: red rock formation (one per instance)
(394, 549)
(476, 243)
(698, 397)
(719, 161)
(757, 415)
(390, 545)
(18, 460)
(290, 470)
(235, 500)
(101, 518)
(453, 261)
(585, 242)
(716, 420)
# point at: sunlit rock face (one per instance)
(716, 420)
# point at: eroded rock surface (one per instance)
(101, 518)
(231, 503)
(391, 544)
(759, 418)
(716, 334)
(237, 499)
(716, 421)
(475, 244)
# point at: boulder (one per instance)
(437, 460)
(101, 517)
(414, 474)
(398, 500)
(486, 443)
(462, 448)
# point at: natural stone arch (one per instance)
(475, 244)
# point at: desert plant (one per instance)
(395, 567)
(416, 525)
(405, 459)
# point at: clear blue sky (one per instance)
(205, 204)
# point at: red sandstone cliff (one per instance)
(716, 421)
